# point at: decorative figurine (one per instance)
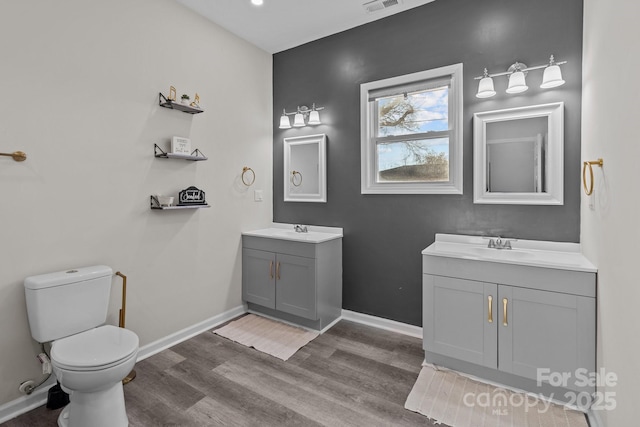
(196, 101)
(172, 93)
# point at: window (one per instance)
(412, 133)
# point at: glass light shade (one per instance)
(314, 118)
(517, 83)
(284, 122)
(298, 120)
(485, 88)
(552, 77)
(256, 2)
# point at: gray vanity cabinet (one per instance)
(283, 282)
(545, 329)
(504, 322)
(258, 277)
(298, 282)
(453, 326)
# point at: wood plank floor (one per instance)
(353, 375)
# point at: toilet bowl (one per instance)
(90, 367)
(89, 359)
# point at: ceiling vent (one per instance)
(377, 5)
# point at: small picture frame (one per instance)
(180, 145)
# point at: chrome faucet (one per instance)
(301, 228)
(500, 243)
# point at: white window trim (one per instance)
(367, 154)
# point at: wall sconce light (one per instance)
(485, 87)
(517, 73)
(303, 113)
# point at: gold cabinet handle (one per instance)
(505, 321)
(490, 302)
(271, 269)
(278, 271)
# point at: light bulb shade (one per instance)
(552, 77)
(314, 118)
(485, 88)
(298, 120)
(284, 122)
(517, 83)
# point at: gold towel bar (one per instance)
(588, 189)
(18, 156)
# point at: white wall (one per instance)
(79, 82)
(610, 227)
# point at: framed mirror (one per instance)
(519, 155)
(305, 169)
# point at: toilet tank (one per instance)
(67, 302)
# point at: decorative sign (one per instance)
(191, 196)
(180, 145)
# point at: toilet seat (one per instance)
(95, 349)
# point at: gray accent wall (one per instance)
(384, 234)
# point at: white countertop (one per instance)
(536, 253)
(316, 233)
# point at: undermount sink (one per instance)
(535, 253)
(315, 234)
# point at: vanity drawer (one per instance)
(545, 279)
(307, 250)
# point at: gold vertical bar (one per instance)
(278, 271)
(490, 302)
(271, 269)
(121, 321)
(123, 310)
(505, 321)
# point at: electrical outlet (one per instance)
(27, 386)
(257, 195)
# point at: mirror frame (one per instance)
(555, 148)
(321, 141)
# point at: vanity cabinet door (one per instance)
(460, 319)
(547, 330)
(296, 286)
(259, 277)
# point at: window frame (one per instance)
(368, 147)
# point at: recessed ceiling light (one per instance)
(256, 2)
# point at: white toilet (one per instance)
(89, 360)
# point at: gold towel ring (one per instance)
(253, 176)
(293, 178)
(589, 164)
(18, 156)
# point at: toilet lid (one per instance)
(94, 348)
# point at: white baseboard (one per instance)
(26, 403)
(38, 398)
(157, 346)
(382, 323)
